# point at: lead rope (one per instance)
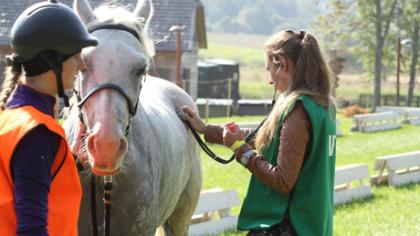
(107, 202)
(93, 205)
(206, 149)
(214, 156)
(248, 138)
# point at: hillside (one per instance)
(260, 16)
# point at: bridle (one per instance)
(132, 108)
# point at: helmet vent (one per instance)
(41, 7)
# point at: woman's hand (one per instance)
(231, 133)
(187, 114)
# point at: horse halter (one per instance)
(132, 108)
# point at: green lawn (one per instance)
(392, 211)
(253, 76)
(245, 56)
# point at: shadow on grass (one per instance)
(410, 186)
(376, 195)
(359, 202)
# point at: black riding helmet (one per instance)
(44, 36)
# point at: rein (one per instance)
(210, 153)
(214, 156)
(132, 108)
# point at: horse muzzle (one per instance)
(105, 153)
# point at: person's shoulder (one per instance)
(41, 135)
(298, 111)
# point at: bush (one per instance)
(352, 110)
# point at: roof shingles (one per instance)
(166, 14)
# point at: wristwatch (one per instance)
(246, 157)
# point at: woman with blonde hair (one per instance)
(40, 190)
(292, 158)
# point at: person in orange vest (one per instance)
(40, 190)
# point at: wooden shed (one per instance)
(166, 13)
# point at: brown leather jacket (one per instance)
(294, 143)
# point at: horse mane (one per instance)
(111, 13)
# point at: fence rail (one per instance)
(366, 100)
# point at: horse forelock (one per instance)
(113, 14)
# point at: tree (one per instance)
(332, 27)
(382, 25)
(409, 20)
(370, 26)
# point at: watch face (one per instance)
(244, 160)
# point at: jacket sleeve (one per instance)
(214, 133)
(294, 142)
(31, 171)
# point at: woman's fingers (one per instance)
(188, 114)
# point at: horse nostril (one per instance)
(91, 144)
(123, 147)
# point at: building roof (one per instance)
(189, 13)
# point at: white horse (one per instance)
(156, 166)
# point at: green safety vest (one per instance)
(311, 207)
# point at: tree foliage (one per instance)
(258, 16)
(368, 29)
(408, 21)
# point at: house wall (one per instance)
(164, 67)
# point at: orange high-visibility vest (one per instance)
(65, 192)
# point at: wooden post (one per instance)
(229, 97)
(183, 84)
(178, 57)
(398, 69)
(206, 111)
(178, 30)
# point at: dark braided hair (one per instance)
(12, 75)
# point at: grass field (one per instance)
(391, 211)
(250, 57)
(253, 76)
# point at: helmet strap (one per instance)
(58, 69)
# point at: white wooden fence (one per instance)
(409, 115)
(376, 122)
(350, 183)
(397, 170)
(212, 215)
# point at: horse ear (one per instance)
(84, 11)
(144, 9)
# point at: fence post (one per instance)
(183, 84)
(229, 97)
(206, 111)
(361, 102)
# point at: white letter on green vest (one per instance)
(331, 144)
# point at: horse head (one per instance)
(108, 90)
